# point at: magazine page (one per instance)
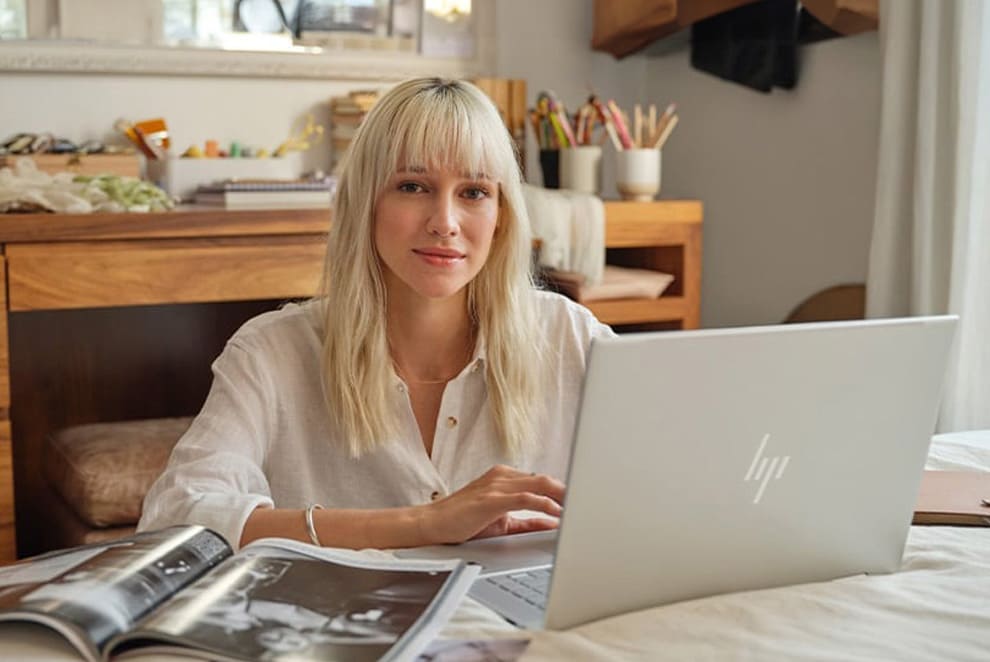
(282, 600)
(108, 588)
(474, 650)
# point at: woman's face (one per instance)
(434, 229)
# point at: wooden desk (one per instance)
(113, 261)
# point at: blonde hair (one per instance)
(434, 123)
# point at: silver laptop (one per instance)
(712, 461)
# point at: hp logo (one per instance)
(765, 468)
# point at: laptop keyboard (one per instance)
(530, 586)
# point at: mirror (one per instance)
(306, 38)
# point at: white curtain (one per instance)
(931, 239)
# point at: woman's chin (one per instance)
(440, 291)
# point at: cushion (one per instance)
(64, 529)
(103, 470)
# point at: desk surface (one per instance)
(199, 221)
(188, 222)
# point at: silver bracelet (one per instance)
(310, 527)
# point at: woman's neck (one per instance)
(430, 341)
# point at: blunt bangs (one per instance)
(451, 127)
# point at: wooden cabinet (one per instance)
(623, 28)
(665, 236)
(87, 306)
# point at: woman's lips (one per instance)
(440, 257)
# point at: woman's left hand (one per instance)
(485, 507)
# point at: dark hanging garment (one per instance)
(754, 45)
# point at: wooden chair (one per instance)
(841, 302)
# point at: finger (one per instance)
(530, 524)
(527, 501)
(538, 484)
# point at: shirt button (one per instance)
(401, 388)
(434, 496)
(451, 422)
(476, 367)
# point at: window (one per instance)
(326, 39)
(13, 19)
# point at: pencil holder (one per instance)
(637, 173)
(550, 166)
(580, 168)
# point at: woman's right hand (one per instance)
(482, 507)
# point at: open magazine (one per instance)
(183, 591)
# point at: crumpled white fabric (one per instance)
(24, 185)
(571, 227)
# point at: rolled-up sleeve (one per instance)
(215, 476)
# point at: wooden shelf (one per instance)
(639, 311)
(664, 235)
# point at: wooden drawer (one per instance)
(638, 311)
(666, 223)
(125, 273)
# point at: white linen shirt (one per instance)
(264, 436)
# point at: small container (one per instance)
(580, 169)
(550, 166)
(637, 173)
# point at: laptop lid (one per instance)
(713, 461)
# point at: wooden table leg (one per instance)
(8, 547)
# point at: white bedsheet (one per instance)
(937, 607)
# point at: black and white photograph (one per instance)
(276, 607)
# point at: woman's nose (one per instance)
(443, 217)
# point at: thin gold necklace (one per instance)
(402, 373)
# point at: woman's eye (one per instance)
(476, 193)
(410, 187)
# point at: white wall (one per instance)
(548, 42)
(787, 179)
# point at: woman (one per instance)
(430, 390)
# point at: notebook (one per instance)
(957, 498)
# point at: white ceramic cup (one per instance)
(581, 168)
(637, 173)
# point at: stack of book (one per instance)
(346, 114)
(269, 193)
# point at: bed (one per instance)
(937, 607)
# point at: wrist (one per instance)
(418, 525)
(394, 528)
